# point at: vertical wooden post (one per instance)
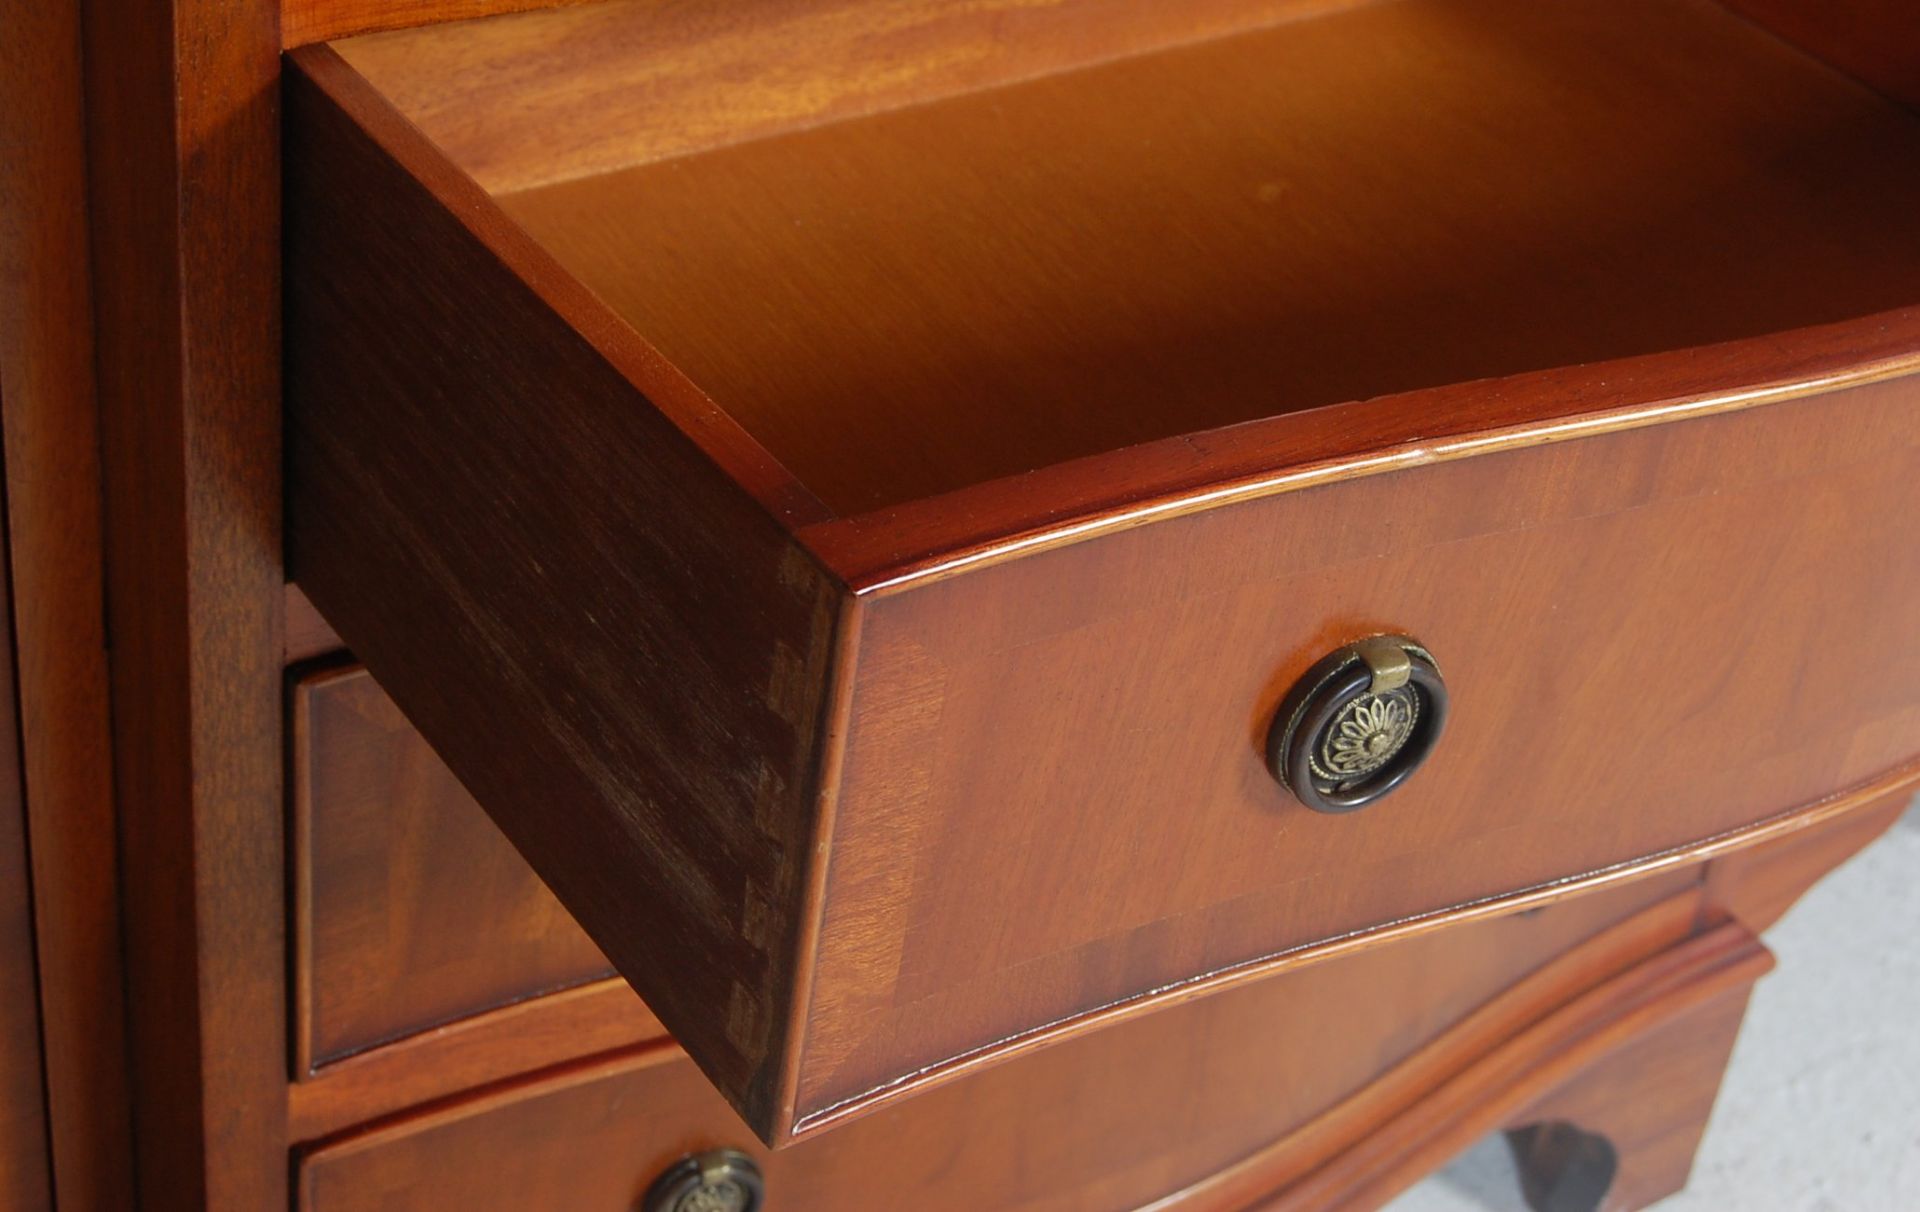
(183, 140)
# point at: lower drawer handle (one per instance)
(719, 1180)
(1358, 724)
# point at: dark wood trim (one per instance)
(183, 140)
(26, 1175)
(308, 636)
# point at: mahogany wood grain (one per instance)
(666, 790)
(484, 441)
(459, 1057)
(1395, 1096)
(304, 21)
(574, 92)
(52, 475)
(183, 140)
(1870, 39)
(174, 250)
(892, 325)
(1156, 1102)
(1384, 1137)
(411, 910)
(26, 1177)
(1622, 697)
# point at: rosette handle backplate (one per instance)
(719, 1180)
(1357, 725)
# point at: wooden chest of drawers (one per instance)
(933, 725)
(1064, 604)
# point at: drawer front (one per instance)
(1112, 1120)
(1055, 797)
(412, 911)
(860, 802)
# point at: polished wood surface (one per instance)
(667, 793)
(1623, 1034)
(1156, 1103)
(304, 21)
(891, 325)
(411, 910)
(1135, 824)
(573, 92)
(26, 1176)
(143, 463)
(908, 693)
(1481, 1091)
(482, 1050)
(1414, 1050)
(1004, 520)
(52, 448)
(184, 182)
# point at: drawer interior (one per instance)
(902, 283)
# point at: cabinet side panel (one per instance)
(24, 1177)
(184, 207)
(616, 649)
(54, 540)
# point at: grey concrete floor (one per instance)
(1820, 1110)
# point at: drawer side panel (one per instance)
(614, 646)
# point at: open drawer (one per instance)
(849, 487)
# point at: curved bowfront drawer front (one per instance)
(859, 567)
(1650, 638)
(1111, 1121)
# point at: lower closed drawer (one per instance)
(411, 910)
(1144, 1109)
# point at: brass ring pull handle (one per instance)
(1358, 724)
(719, 1180)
